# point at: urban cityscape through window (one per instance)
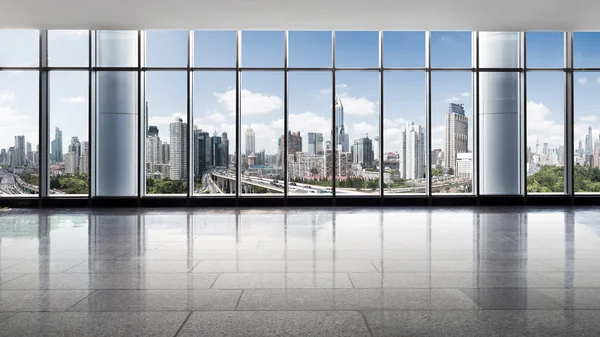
(314, 114)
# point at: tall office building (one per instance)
(21, 149)
(315, 144)
(456, 135)
(362, 152)
(84, 158)
(75, 147)
(3, 156)
(342, 138)
(57, 149)
(250, 141)
(294, 144)
(178, 144)
(201, 147)
(224, 150)
(412, 156)
(215, 148)
(464, 165)
(71, 162)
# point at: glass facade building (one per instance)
(376, 117)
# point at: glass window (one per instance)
(215, 48)
(500, 159)
(68, 48)
(451, 132)
(309, 123)
(19, 48)
(355, 49)
(68, 144)
(214, 116)
(166, 161)
(404, 49)
(405, 132)
(309, 49)
(499, 50)
(262, 115)
(586, 50)
(166, 48)
(545, 49)
(451, 49)
(357, 133)
(586, 132)
(19, 132)
(545, 132)
(263, 49)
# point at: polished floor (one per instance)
(309, 272)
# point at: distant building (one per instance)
(464, 165)
(362, 152)
(456, 135)
(178, 151)
(315, 143)
(56, 155)
(250, 141)
(412, 157)
(71, 162)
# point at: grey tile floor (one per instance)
(311, 272)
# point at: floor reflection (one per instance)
(300, 259)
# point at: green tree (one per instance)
(437, 172)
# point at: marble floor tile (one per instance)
(275, 323)
(93, 324)
(282, 280)
(40, 300)
(159, 300)
(511, 299)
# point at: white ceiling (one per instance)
(482, 15)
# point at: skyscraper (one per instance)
(294, 141)
(315, 143)
(412, 155)
(178, 149)
(57, 149)
(75, 147)
(224, 150)
(21, 149)
(250, 141)
(84, 158)
(342, 137)
(362, 152)
(457, 135)
(201, 140)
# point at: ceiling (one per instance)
(481, 15)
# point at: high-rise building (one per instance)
(224, 150)
(153, 151)
(215, 143)
(152, 131)
(178, 149)
(342, 138)
(71, 161)
(464, 165)
(75, 147)
(3, 157)
(201, 140)
(14, 160)
(589, 142)
(165, 154)
(84, 158)
(315, 143)
(21, 148)
(362, 152)
(294, 141)
(412, 155)
(57, 149)
(250, 141)
(457, 134)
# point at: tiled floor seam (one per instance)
(366, 322)
(215, 281)
(239, 300)
(81, 300)
(183, 324)
(64, 271)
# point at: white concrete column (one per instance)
(499, 115)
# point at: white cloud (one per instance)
(358, 106)
(453, 100)
(78, 99)
(588, 118)
(339, 88)
(361, 128)
(251, 103)
(217, 117)
(541, 127)
(582, 80)
(5, 97)
(394, 123)
(438, 129)
(465, 94)
(165, 121)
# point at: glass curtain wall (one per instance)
(297, 113)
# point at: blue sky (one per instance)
(310, 92)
